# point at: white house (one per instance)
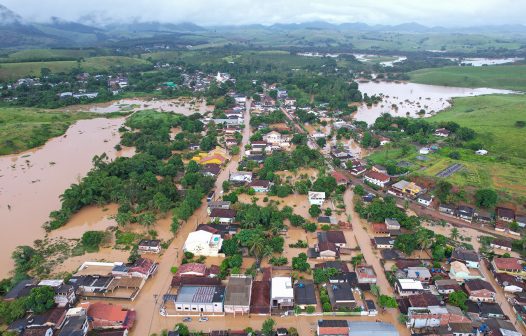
(261, 185)
(203, 243)
(276, 138)
(406, 287)
(240, 177)
(376, 178)
(316, 197)
(148, 245)
(282, 292)
(425, 200)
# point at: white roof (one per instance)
(316, 194)
(418, 272)
(410, 284)
(51, 282)
(199, 236)
(282, 287)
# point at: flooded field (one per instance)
(386, 61)
(31, 182)
(477, 61)
(185, 107)
(408, 99)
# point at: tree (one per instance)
(386, 301)
(443, 190)
(458, 298)
(359, 190)
(357, 260)
(375, 290)
(268, 327)
(486, 198)
(91, 240)
(328, 212)
(230, 247)
(314, 210)
(300, 263)
(40, 299)
(455, 234)
(514, 226)
(182, 329)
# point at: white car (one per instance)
(203, 319)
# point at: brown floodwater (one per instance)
(182, 106)
(31, 182)
(410, 98)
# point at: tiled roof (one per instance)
(377, 176)
(508, 263)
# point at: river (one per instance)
(410, 98)
(31, 182)
(181, 106)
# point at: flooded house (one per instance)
(316, 198)
(238, 294)
(282, 293)
(203, 243)
(376, 178)
(341, 295)
(149, 245)
(304, 294)
(480, 291)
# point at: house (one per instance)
(384, 242)
(37, 331)
(362, 328)
(237, 294)
(512, 266)
(510, 283)
(260, 185)
(358, 170)
(340, 178)
(447, 286)
(21, 289)
(465, 212)
(501, 244)
(406, 287)
(425, 200)
(505, 214)
(365, 274)
(424, 150)
(468, 257)
(480, 290)
(91, 283)
(326, 250)
(240, 177)
(304, 294)
(316, 197)
(217, 159)
(330, 220)
(435, 316)
(500, 327)
(484, 310)
(75, 324)
(191, 269)
(392, 224)
(260, 298)
(341, 295)
(224, 216)
(376, 178)
(332, 328)
(405, 188)
(218, 205)
(335, 237)
(211, 170)
(149, 245)
(143, 268)
(371, 308)
(379, 169)
(203, 243)
(109, 316)
(225, 231)
(421, 274)
(276, 138)
(64, 294)
(381, 229)
(52, 318)
(521, 220)
(442, 132)
(447, 209)
(282, 293)
(461, 272)
(198, 299)
(423, 300)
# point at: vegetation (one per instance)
(91, 240)
(386, 301)
(458, 298)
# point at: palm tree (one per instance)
(454, 234)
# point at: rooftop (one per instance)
(508, 263)
(304, 293)
(377, 176)
(465, 255)
(200, 294)
(359, 328)
(282, 287)
(410, 284)
(238, 290)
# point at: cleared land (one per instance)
(512, 77)
(494, 119)
(37, 55)
(25, 128)
(11, 71)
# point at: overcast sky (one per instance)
(237, 12)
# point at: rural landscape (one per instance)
(314, 168)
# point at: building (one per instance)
(330, 220)
(505, 214)
(203, 243)
(341, 295)
(376, 178)
(237, 294)
(512, 266)
(282, 293)
(423, 300)
(148, 245)
(406, 287)
(447, 209)
(276, 138)
(501, 244)
(365, 274)
(199, 299)
(327, 250)
(212, 170)
(260, 298)
(316, 197)
(64, 294)
(360, 328)
(340, 178)
(21, 289)
(304, 294)
(442, 132)
(392, 224)
(421, 274)
(75, 324)
(447, 286)
(224, 216)
(384, 242)
(240, 177)
(480, 290)
(218, 205)
(109, 316)
(143, 268)
(432, 317)
(465, 212)
(425, 200)
(510, 283)
(460, 272)
(405, 188)
(260, 185)
(335, 237)
(332, 328)
(468, 257)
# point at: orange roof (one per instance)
(340, 177)
(219, 157)
(380, 227)
(508, 264)
(107, 312)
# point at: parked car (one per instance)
(203, 319)
(187, 319)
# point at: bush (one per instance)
(91, 240)
(310, 309)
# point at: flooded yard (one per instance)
(31, 182)
(408, 99)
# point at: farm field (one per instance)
(512, 77)
(11, 71)
(25, 128)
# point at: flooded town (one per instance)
(309, 178)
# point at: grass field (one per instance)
(25, 128)
(11, 71)
(493, 117)
(512, 77)
(38, 55)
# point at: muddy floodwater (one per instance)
(407, 99)
(31, 182)
(186, 107)
(478, 61)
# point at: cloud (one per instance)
(238, 12)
